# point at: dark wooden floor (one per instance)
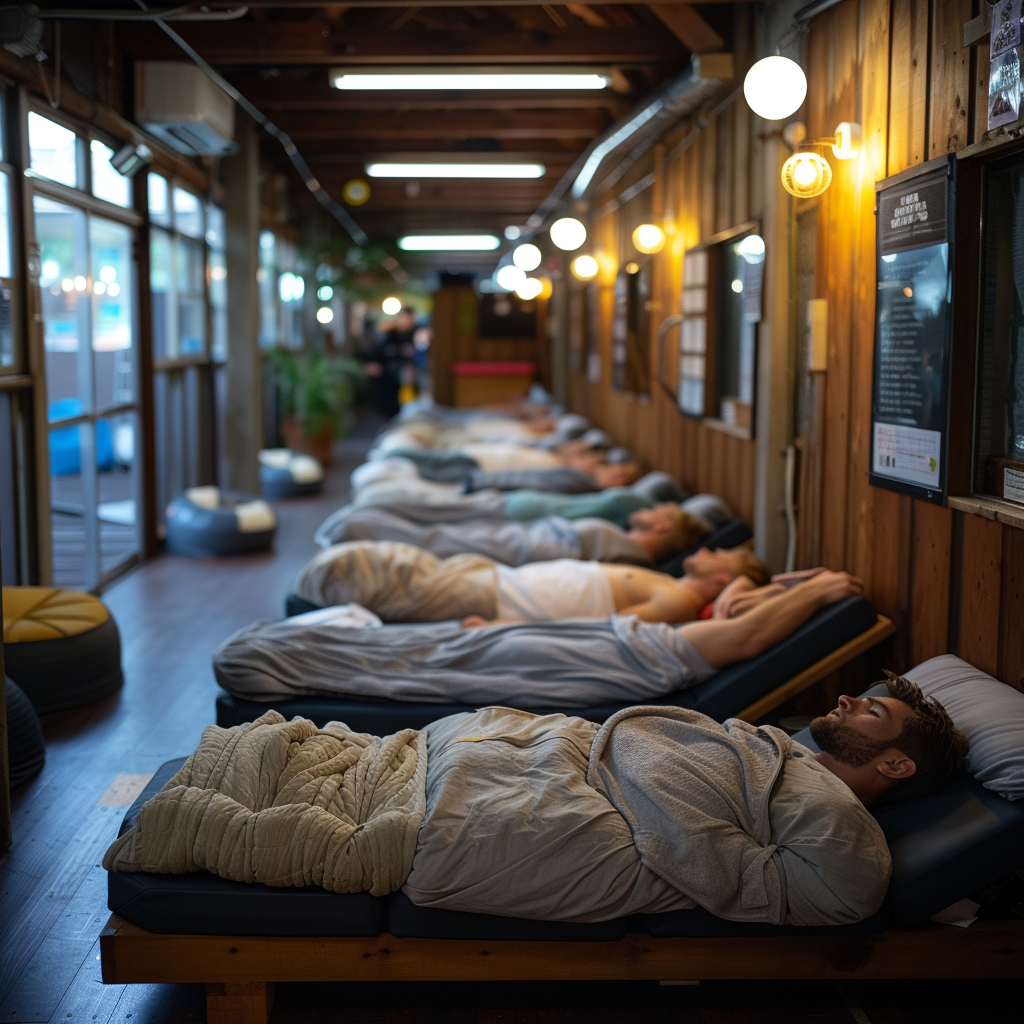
(173, 613)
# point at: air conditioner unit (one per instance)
(178, 104)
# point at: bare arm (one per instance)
(722, 642)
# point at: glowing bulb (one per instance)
(391, 305)
(512, 232)
(632, 268)
(325, 314)
(775, 87)
(585, 268)
(113, 290)
(848, 140)
(751, 248)
(108, 274)
(806, 174)
(526, 256)
(568, 233)
(99, 288)
(51, 270)
(649, 238)
(355, 192)
(67, 284)
(737, 286)
(510, 277)
(80, 283)
(530, 288)
(325, 293)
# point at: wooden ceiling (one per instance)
(278, 55)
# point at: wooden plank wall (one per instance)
(952, 581)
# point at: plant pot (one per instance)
(318, 445)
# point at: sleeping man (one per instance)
(573, 664)
(653, 535)
(553, 817)
(402, 583)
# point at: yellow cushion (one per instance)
(48, 613)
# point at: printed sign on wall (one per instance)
(910, 396)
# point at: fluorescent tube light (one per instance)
(438, 170)
(348, 80)
(451, 243)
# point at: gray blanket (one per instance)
(660, 809)
(504, 541)
(577, 663)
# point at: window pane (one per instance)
(191, 298)
(63, 284)
(218, 283)
(160, 290)
(267, 279)
(106, 182)
(188, 213)
(117, 508)
(112, 315)
(159, 209)
(53, 150)
(6, 285)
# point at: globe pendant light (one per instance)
(568, 233)
(526, 256)
(585, 268)
(805, 175)
(775, 87)
(649, 238)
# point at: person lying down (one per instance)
(555, 818)
(577, 663)
(402, 583)
(654, 534)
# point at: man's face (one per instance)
(705, 562)
(661, 518)
(860, 728)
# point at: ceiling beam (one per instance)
(299, 4)
(688, 27)
(292, 43)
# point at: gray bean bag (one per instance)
(208, 521)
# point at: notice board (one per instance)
(913, 314)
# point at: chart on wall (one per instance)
(910, 394)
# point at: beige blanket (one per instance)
(400, 582)
(285, 803)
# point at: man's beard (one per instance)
(846, 745)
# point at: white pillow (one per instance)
(989, 713)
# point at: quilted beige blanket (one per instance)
(286, 803)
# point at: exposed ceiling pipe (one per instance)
(180, 13)
(638, 130)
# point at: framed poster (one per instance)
(913, 313)
(631, 328)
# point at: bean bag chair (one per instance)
(208, 521)
(26, 751)
(62, 647)
(287, 474)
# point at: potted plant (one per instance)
(316, 393)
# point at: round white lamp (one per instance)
(649, 238)
(392, 305)
(509, 277)
(585, 268)
(775, 87)
(568, 233)
(530, 288)
(526, 256)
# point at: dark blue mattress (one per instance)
(944, 847)
(723, 695)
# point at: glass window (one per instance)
(53, 150)
(106, 182)
(217, 278)
(999, 429)
(266, 277)
(6, 284)
(191, 273)
(188, 213)
(693, 333)
(160, 289)
(112, 314)
(159, 207)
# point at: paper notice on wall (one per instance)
(1013, 484)
(1005, 27)
(1004, 89)
(908, 453)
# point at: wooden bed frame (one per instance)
(239, 971)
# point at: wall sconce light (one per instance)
(632, 268)
(805, 175)
(649, 238)
(585, 268)
(775, 87)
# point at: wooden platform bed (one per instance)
(239, 971)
